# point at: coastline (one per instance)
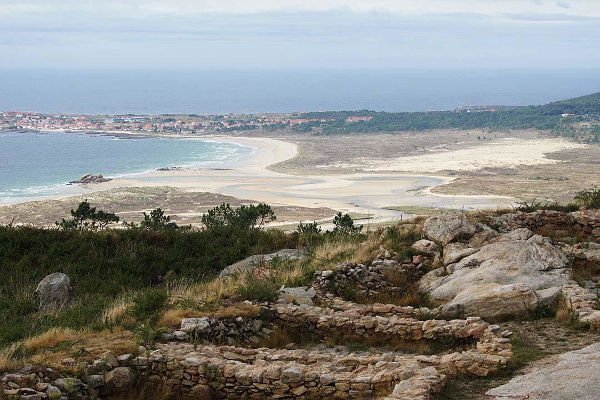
(252, 178)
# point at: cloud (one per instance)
(294, 33)
(563, 4)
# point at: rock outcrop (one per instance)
(447, 228)
(575, 376)
(297, 295)
(90, 179)
(256, 261)
(508, 275)
(54, 291)
(118, 381)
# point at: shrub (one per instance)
(258, 289)
(86, 217)
(344, 225)
(157, 221)
(148, 304)
(103, 265)
(243, 217)
(589, 198)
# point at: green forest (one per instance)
(585, 110)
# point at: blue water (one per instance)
(221, 92)
(40, 164)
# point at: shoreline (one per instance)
(252, 178)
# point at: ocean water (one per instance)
(221, 92)
(41, 164)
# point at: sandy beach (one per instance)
(377, 188)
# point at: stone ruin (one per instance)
(407, 353)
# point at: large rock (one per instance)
(447, 228)
(195, 324)
(454, 252)
(521, 274)
(499, 301)
(575, 376)
(297, 295)
(89, 178)
(54, 291)
(425, 246)
(118, 381)
(252, 262)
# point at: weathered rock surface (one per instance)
(54, 291)
(447, 228)
(496, 301)
(454, 252)
(297, 295)
(511, 271)
(576, 376)
(119, 380)
(89, 178)
(252, 262)
(425, 246)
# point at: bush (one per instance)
(344, 225)
(148, 304)
(259, 290)
(243, 217)
(589, 198)
(157, 221)
(102, 265)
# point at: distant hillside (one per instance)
(589, 104)
(545, 117)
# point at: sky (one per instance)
(300, 34)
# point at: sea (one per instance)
(40, 164)
(35, 165)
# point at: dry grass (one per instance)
(211, 294)
(8, 362)
(117, 311)
(50, 338)
(88, 346)
(172, 318)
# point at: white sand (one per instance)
(503, 153)
(367, 193)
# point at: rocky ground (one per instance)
(478, 307)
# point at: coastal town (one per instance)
(156, 124)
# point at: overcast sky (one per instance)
(300, 34)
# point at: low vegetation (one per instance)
(144, 277)
(587, 198)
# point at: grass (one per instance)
(128, 285)
(51, 338)
(419, 210)
(108, 269)
(8, 360)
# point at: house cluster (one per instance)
(166, 124)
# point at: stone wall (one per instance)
(562, 223)
(354, 281)
(582, 304)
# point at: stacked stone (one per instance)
(582, 304)
(37, 383)
(230, 373)
(321, 321)
(386, 310)
(368, 281)
(221, 330)
(586, 221)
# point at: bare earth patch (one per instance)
(129, 203)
